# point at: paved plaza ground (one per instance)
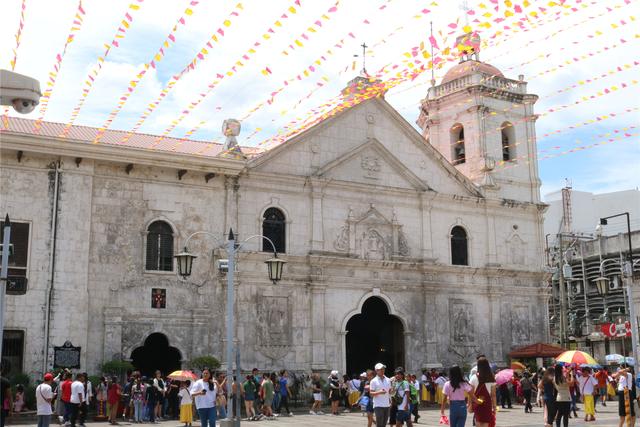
(429, 417)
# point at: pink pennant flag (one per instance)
(172, 38)
(433, 42)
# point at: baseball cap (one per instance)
(48, 377)
(379, 366)
(364, 374)
(399, 371)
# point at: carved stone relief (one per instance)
(460, 321)
(274, 326)
(516, 250)
(371, 236)
(520, 325)
(371, 166)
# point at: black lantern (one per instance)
(185, 262)
(275, 266)
(602, 284)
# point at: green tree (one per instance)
(117, 367)
(202, 362)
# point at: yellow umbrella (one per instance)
(577, 357)
(518, 366)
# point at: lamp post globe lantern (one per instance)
(275, 266)
(185, 262)
(602, 284)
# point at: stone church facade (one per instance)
(371, 209)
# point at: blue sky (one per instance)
(610, 167)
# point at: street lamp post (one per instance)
(275, 268)
(627, 272)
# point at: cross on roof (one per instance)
(464, 6)
(364, 58)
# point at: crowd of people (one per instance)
(384, 400)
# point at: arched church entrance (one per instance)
(156, 354)
(374, 336)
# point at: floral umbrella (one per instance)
(577, 357)
(182, 376)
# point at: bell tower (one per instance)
(484, 124)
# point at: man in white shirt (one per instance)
(379, 390)
(44, 396)
(77, 398)
(587, 384)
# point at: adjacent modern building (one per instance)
(402, 247)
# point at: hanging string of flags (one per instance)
(76, 25)
(233, 70)
(267, 70)
(18, 36)
(598, 119)
(156, 57)
(124, 25)
(215, 37)
(14, 50)
(296, 43)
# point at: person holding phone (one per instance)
(205, 391)
(379, 390)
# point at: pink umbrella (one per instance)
(504, 376)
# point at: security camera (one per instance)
(21, 92)
(24, 106)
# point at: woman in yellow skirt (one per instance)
(440, 381)
(186, 410)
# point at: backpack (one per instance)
(396, 398)
(413, 392)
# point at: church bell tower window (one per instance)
(274, 227)
(508, 141)
(457, 144)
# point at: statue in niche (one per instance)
(373, 245)
(403, 245)
(342, 240)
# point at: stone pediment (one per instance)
(371, 163)
(371, 236)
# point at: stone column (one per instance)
(430, 327)
(112, 333)
(317, 226)
(425, 208)
(318, 339)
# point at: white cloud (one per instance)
(47, 24)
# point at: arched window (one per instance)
(508, 141)
(159, 247)
(457, 144)
(459, 251)
(273, 227)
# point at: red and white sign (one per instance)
(618, 330)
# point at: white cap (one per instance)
(364, 374)
(379, 366)
(334, 372)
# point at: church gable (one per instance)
(371, 163)
(371, 144)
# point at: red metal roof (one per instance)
(19, 125)
(536, 350)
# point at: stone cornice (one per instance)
(112, 153)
